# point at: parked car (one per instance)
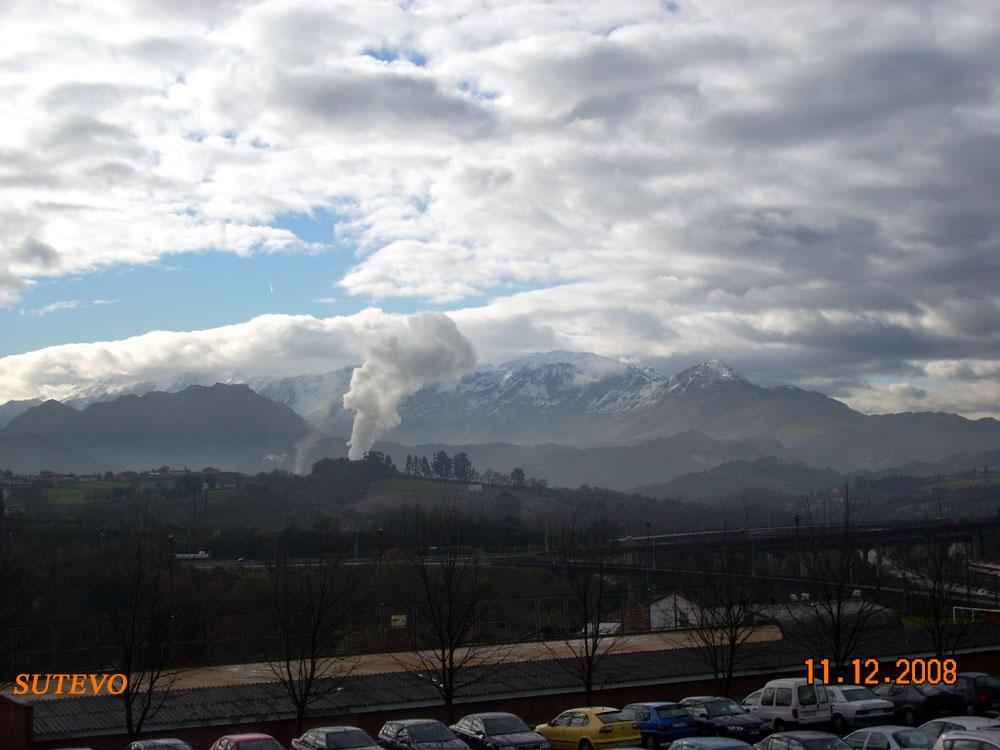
(752, 700)
(917, 703)
(335, 738)
(710, 743)
(590, 728)
(856, 705)
(725, 717)
(247, 742)
(167, 743)
(981, 692)
(792, 701)
(889, 737)
(498, 731)
(936, 727)
(802, 740)
(981, 739)
(418, 734)
(661, 722)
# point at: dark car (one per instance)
(166, 743)
(804, 740)
(335, 738)
(981, 692)
(725, 717)
(418, 734)
(710, 743)
(498, 731)
(661, 722)
(917, 703)
(251, 741)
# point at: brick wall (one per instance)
(15, 725)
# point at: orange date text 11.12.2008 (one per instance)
(874, 672)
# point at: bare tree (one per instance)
(589, 637)
(727, 613)
(448, 586)
(139, 603)
(836, 620)
(939, 575)
(16, 585)
(309, 609)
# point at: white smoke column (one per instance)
(428, 347)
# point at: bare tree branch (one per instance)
(449, 587)
(588, 635)
(309, 609)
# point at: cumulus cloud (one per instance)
(807, 191)
(268, 345)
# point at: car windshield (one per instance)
(826, 743)
(989, 681)
(610, 717)
(672, 712)
(858, 694)
(432, 731)
(723, 708)
(504, 725)
(913, 738)
(267, 744)
(350, 738)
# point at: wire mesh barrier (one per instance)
(394, 627)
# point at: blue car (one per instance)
(661, 722)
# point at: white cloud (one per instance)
(69, 304)
(812, 187)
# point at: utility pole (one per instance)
(649, 556)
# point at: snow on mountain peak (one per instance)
(705, 374)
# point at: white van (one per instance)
(792, 701)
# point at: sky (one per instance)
(807, 191)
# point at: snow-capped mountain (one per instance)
(583, 401)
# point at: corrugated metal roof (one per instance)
(80, 717)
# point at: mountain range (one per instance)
(572, 418)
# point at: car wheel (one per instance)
(650, 742)
(909, 717)
(585, 745)
(779, 725)
(839, 724)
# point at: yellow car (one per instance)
(594, 728)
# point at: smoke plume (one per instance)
(429, 347)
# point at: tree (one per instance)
(409, 464)
(309, 607)
(16, 586)
(726, 613)
(939, 574)
(442, 465)
(461, 467)
(835, 622)
(138, 601)
(425, 467)
(448, 586)
(517, 477)
(585, 556)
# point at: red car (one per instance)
(247, 742)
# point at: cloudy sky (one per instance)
(808, 191)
